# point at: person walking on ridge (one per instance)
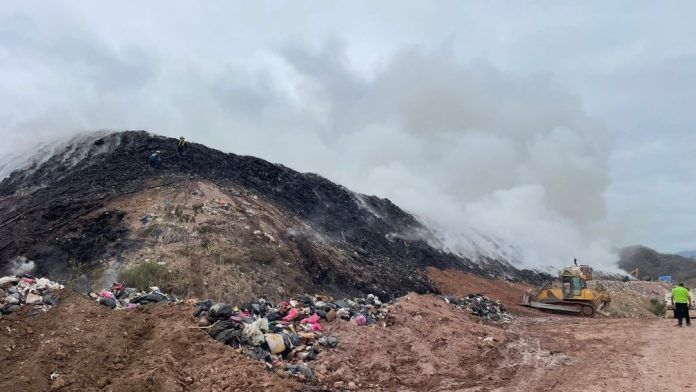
(181, 147)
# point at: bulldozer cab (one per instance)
(572, 286)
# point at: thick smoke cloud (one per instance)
(498, 165)
(268, 79)
(501, 165)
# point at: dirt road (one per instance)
(561, 353)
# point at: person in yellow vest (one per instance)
(681, 300)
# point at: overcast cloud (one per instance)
(536, 130)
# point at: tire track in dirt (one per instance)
(558, 353)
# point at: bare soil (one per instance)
(459, 283)
(93, 348)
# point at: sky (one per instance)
(537, 130)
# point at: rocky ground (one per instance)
(425, 345)
(632, 299)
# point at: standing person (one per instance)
(181, 146)
(681, 300)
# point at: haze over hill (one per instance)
(691, 254)
(653, 264)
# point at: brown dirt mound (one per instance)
(94, 348)
(427, 345)
(459, 283)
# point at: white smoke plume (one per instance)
(20, 265)
(498, 164)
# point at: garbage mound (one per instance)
(20, 290)
(97, 185)
(481, 306)
(632, 299)
(120, 297)
(288, 334)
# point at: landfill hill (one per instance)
(653, 264)
(210, 224)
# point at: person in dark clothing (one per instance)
(181, 146)
(155, 160)
(681, 300)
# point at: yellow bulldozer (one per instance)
(569, 295)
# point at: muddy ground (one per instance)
(426, 345)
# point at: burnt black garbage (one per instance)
(481, 306)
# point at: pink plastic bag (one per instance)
(311, 319)
(106, 294)
(316, 327)
(292, 314)
(361, 320)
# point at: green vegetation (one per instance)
(262, 256)
(209, 229)
(144, 275)
(77, 268)
(164, 232)
(657, 307)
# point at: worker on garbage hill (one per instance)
(155, 159)
(681, 300)
(181, 146)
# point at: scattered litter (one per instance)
(481, 306)
(288, 334)
(120, 297)
(631, 299)
(146, 219)
(16, 291)
(360, 320)
(54, 375)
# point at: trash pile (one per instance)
(121, 297)
(16, 291)
(631, 299)
(288, 334)
(481, 306)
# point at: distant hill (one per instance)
(690, 254)
(653, 264)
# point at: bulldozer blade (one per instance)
(556, 307)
